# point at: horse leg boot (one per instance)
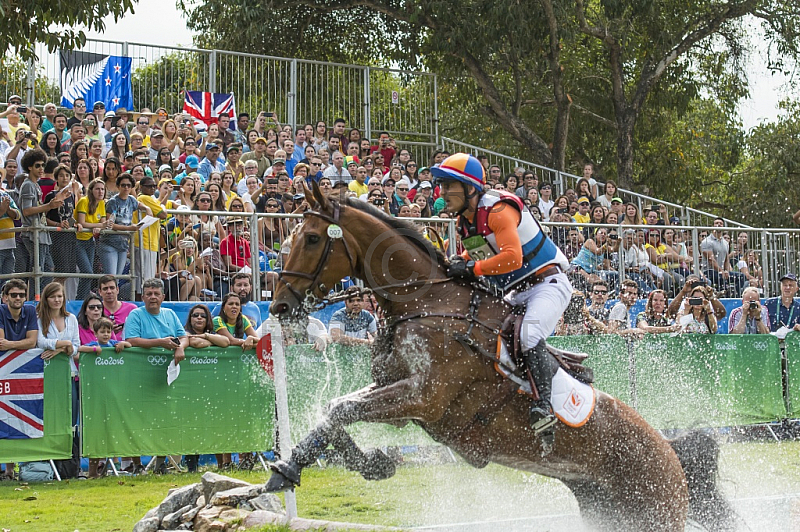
(542, 366)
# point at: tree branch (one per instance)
(601, 119)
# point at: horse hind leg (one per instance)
(698, 454)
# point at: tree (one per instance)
(25, 23)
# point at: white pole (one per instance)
(282, 402)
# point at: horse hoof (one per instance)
(377, 466)
(285, 476)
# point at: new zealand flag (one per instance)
(21, 394)
(96, 78)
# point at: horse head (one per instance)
(348, 237)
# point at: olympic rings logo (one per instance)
(248, 358)
(157, 360)
(761, 346)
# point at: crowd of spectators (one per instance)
(95, 178)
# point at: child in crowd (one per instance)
(103, 330)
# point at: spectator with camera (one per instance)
(597, 302)
(693, 281)
(697, 315)
(784, 311)
(751, 317)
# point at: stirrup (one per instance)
(542, 417)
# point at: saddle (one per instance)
(570, 361)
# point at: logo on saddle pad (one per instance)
(573, 403)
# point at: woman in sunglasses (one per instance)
(272, 230)
(207, 223)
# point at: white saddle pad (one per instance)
(573, 401)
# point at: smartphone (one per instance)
(753, 305)
(695, 284)
(22, 109)
(695, 300)
(175, 340)
(269, 115)
(380, 202)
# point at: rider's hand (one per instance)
(460, 268)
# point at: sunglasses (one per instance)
(198, 315)
(599, 291)
(204, 200)
(143, 123)
(125, 185)
(148, 185)
(38, 165)
(94, 307)
(402, 189)
(272, 206)
(15, 295)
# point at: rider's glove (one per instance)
(461, 268)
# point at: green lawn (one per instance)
(417, 495)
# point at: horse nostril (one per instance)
(279, 308)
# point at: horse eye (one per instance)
(312, 239)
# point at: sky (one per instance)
(168, 28)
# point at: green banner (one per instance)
(57, 441)
(692, 380)
(314, 378)
(793, 373)
(608, 358)
(221, 402)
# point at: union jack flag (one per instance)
(21, 394)
(205, 107)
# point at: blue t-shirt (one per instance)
(15, 331)
(357, 327)
(249, 309)
(142, 324)
(111, 343)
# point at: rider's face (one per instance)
(453, 194)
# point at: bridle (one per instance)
(310, 302)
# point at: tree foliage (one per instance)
(33, 21)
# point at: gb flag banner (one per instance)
(21, 394)
(96, 78)
(205, 107)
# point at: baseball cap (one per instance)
(675, 220)
(183, 208)
(616, 199)
(339, 183)
(262, 140)
(110, 114)
(298, 197)
(425, 184)
(192, 161)
(212, 146)
(98, 105)
(129, 155)
(165, 168)
(583, 199)
(13, 96)
(790, 276)
(386, 180)
(156, 133)
(278, 161)
(167, 180)
(424, 169)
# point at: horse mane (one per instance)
(400, 225)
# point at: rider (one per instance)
(506, 244)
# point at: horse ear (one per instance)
(309, 195)
(322, 201)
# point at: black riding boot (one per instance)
(542, 366)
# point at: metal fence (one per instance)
(564, 180)
(401, 102)
(767, 254)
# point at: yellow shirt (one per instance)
(96, 218)
(358, 189)
(150, 235)
(228, 201)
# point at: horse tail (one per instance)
(698, 454)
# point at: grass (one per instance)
(416, 495)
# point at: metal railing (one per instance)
(564, 180)
(401, 102)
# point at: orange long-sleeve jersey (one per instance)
(503, 222)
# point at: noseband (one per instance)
(309, 301)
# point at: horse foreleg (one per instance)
(373, 464)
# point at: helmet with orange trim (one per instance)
(461, 167)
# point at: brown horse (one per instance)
(428, 369)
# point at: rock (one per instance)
(211, 526)
(233, 518)
(201, 501)
(148, 524)
(185, 496)
(213, 483)
(267, 501)
(262, 517)
(236, 496)
(205, 517)
(189, 516)
(172, 520)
